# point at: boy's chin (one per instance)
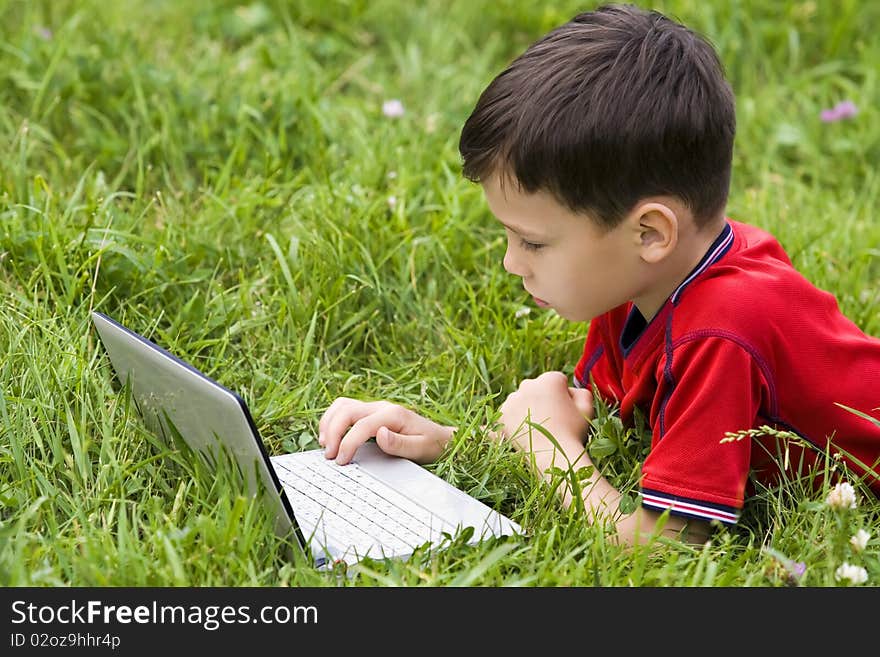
(573, 316)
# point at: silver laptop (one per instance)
(378, 506)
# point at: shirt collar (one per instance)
(636, 325)
(719, 247)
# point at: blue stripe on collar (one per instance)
(719, 247)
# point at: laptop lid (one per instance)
(172, 396)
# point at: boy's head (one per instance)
(617, 105)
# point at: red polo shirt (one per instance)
(744, 341)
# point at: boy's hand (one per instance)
(547, 400)
(349, 423)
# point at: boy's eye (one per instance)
(530, 246)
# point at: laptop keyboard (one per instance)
(353, 507)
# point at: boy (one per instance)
(605, 151)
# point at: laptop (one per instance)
(377, 506)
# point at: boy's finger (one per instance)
(583, 401)
(415, 447)
(327, 417)
(342, 414)
(359, 433)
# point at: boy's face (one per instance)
(565, 261)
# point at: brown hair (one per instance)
(614, 106)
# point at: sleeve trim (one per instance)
(689, 508)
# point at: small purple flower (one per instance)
(793, 570)
(393, 108)
(845, 109)
(44, 33)
(796, 568)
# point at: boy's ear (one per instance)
(656, 226)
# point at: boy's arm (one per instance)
(565, 413)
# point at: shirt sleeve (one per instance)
(709, 385)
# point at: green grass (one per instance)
(217, 176)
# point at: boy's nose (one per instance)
(511, 264)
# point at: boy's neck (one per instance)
(693, 243)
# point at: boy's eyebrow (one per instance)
(519, 231)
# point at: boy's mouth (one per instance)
(539, 302)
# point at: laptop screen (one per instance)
(206, 415)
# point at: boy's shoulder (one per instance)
(753, 243)
(755, 266)
(753, 286)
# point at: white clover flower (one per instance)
(855, 574)
(392, 202)
(860, 540)
(522, 312)
(842, 496)
(393, 108)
